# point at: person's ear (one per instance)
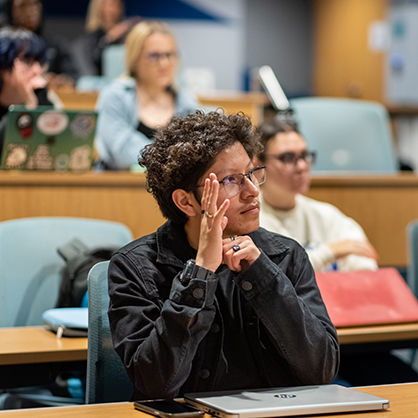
(186, 202)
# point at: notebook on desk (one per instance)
(283, 402)
(365, 297)
(48, 139)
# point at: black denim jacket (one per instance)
(265, 327)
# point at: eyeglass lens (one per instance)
(291, 158)
(233, 183)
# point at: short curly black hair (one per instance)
(185, 149)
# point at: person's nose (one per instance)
(301, 164)
(249, 189)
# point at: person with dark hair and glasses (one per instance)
(22, 57)
(210, 301)
(331, 239)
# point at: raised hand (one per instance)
(213, 223)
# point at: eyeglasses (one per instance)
(155, 57)
(290, 159)
(233, 183)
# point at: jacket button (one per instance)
(246, 286)
(198, 293)
(204, 373)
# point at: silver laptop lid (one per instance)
(281, 402)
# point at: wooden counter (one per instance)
(383, 205)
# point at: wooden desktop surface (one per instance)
(25, 345)
(403, 404)
(382, 205)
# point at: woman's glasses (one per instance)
(154, 57)
(290, 159)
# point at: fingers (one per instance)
(346, 247)
(239, 253)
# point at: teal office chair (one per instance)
(30, 265)
(107, 380)
(348, 135)
(113, 61)
(412, 254)
(29, 282)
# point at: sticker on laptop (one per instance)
(16, 156)
(40, 159)
(83, 125)
(52, 122)
(80, 158)
(24, 124)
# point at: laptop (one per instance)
(284, 402)
(365, 297)
(48, 139)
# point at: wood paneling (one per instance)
(344, 65)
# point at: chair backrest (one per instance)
(30, 265)
(412, 251)
(347, 134)
(113, 61)
(107, 380)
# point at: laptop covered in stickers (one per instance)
(48, 139)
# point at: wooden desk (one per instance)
(114, 196)
(252, 104)
(25, 345)
(403, 404)
(382, 204)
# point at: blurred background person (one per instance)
(132, 107)
(105, 25)
(332, 240)
(22, 57)
(27, 14)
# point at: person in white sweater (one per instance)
(332, 240)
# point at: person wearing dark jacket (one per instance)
(211, 301)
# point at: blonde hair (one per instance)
(94, 15)
(135, 42)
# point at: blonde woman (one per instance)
(132, 107)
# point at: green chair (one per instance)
(107, 379)
(30, 265)
(348, 135)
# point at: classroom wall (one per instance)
(227, 37)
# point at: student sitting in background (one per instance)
(131, 108)
(22, 56)
(331, 239)
(28, 14)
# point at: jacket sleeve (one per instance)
(152, 337)
(293, 314)
(117, 137)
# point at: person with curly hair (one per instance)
(210, 301)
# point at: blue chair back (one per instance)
(30, 265)
(107, 380)
(347, 134)
(113, 61)
(412, 251)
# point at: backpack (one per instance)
(79, 260)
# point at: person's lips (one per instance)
(252, 209)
